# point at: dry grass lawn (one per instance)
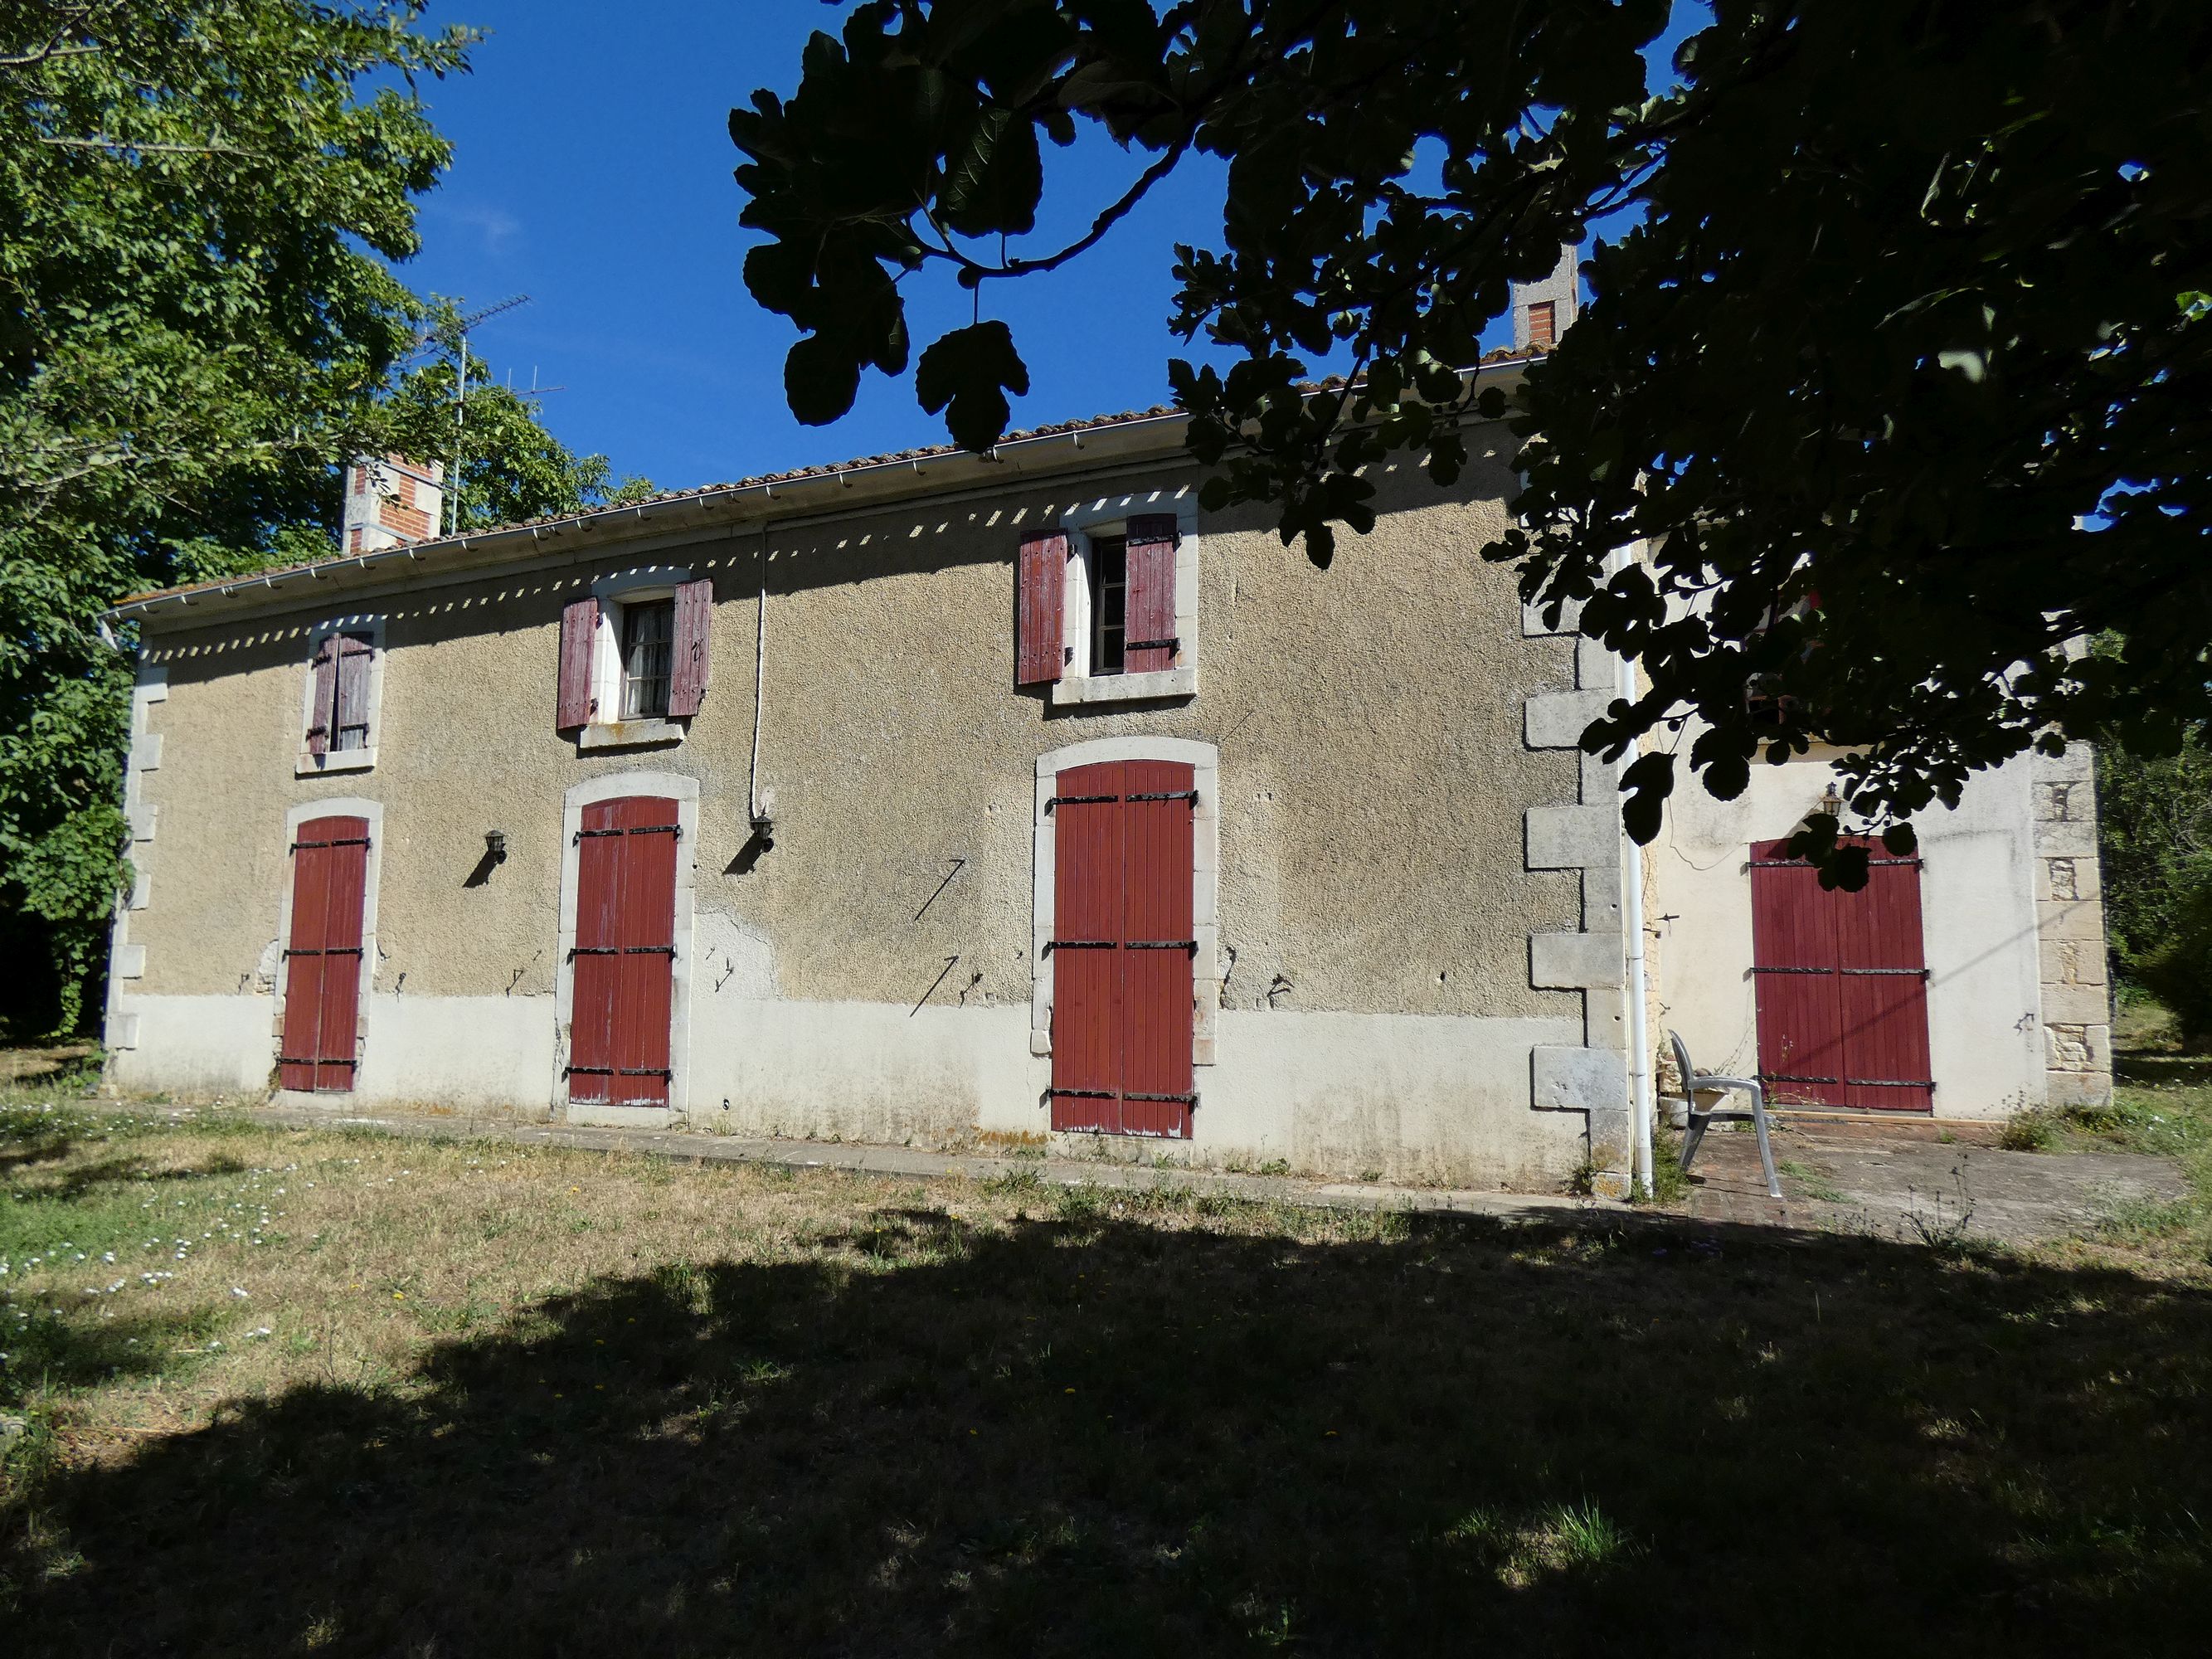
(285, 1391)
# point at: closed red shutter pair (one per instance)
(1041, 580)
(688, 668)
(1842, 984)
(339, 718)
(323, 956)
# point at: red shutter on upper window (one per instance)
(323, 958)
(580, 623)
(688, 660)
(1042, 581)
(349, 710)
(1150, 642)
(320, 706)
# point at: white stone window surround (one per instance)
(614, 786)
(337, 807)
(1205, 761)
(640, 584)
(362, 759)
(1108, 515)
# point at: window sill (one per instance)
(343, 760)
(629, 734)
(1126, 688)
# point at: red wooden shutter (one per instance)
(1793, 965)
(349, 716)
(1041, 581)
(323, 704)
(1882, 989)
(1842, 987)
(1123, 949)
(323, 958)
(580, 623)
(1088, 862)
(688, 658)
(1150, 638)
(624, 963)
(1157, 949)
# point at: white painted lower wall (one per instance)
(1403, 1097)
(212, 1045)
(1979, 919)
(474, 1053)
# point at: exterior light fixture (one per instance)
(496, 846)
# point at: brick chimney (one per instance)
(393, 500)
(1543, 311)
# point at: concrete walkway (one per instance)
(1890, 1181)
(909, 1162)
(1898, 1181)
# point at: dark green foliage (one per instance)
(196, 211)
(1903, 376)
(200, 205)
(512, 468)
(2155, 840)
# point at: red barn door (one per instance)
(623, 962)
(322, 959)
(1842, 985)
(1123, 947)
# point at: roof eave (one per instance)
(890, 479)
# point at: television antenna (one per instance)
(460, 398)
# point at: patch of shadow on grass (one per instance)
(46, 1352)
(1082, 1435)
(131, 1170)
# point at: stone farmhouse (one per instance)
(948, 799)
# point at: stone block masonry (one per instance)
(2077, 992)
(1582, 835)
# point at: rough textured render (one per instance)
(2077, 1030)
(870, 975)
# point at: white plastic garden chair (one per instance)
(1695, 1083)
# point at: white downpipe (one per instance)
(1641, 1103)
(760, 684)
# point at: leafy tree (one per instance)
(200, 205)
(1902, 372)
(512, 468)
(2155, 837)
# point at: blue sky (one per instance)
(592, 172)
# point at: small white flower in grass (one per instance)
(236, 1290)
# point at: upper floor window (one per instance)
(648, 628)
(633, 658)
(1109, 600)
(345, 672)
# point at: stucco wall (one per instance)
(1979, 921)
(1374, 781)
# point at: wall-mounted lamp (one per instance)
(496, 846)
(761, 839)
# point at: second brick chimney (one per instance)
(1543, 311)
